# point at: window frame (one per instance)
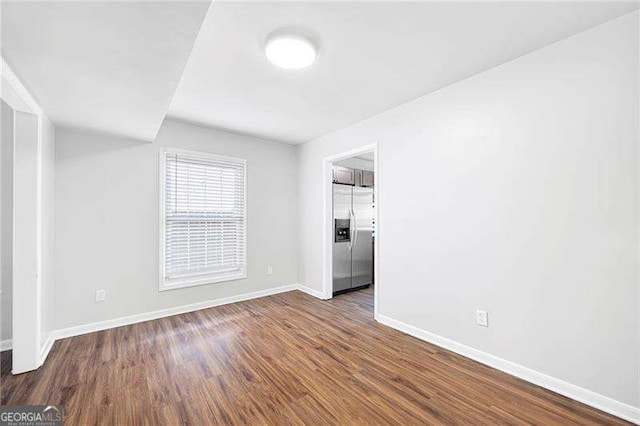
(216, 277)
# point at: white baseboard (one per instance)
(593, 399)
(311, 292)
(46, 348)
(5, 345)
(133, 319)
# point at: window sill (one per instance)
(203, 280)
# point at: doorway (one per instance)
(351, 224)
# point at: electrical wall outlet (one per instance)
(269, 270)
(482, 318)
(101, 295)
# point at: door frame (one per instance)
(327, 258)
(28, 351)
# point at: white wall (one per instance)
(6, 221)
(514, 191)
(106, 221)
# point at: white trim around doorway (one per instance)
(327, 261)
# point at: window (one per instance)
(202, 219)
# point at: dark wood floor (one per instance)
(284, 359)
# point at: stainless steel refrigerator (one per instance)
(352, 237)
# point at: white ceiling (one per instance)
(367, 156)
(114, 66)
(372, 57)
(104, 66)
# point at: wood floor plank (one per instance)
(287, 359)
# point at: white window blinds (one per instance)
(204, 219)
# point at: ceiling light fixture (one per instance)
(290, 51)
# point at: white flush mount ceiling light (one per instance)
(291, 52)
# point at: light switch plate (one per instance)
(101, 295)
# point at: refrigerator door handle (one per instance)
(351, 220)
(355, 229)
